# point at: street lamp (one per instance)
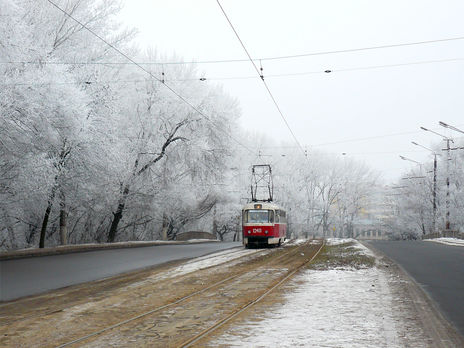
(441, 135)
(434, 203)
(443, 124)
(420, 168)
(416, 177)
(408, 159)
(448, 140)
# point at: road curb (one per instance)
(77, 248)
(441, 330)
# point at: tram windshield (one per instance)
(258, 216)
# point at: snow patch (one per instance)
(334, 308)
(218, 258)
(448, 241)
(364, 250)
(338, 241)
(298, 241)
(350, 308)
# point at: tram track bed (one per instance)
(62, 316)
(233, 298)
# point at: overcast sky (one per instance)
(369, 113)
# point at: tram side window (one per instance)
(277, 216)
(283, 217)
(258, 216)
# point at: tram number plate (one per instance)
(257, 230)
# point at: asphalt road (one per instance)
(34, 275)
(438, 268)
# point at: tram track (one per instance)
(173, 303)
(162, 316)
(29, 301)
(206, 332)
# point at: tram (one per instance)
(263, 224)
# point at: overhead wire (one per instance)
(354, 139)
(262, 79)
(302, 55)
(149, 73)
(139, 65)
(203, 78)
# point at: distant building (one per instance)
(368, 229)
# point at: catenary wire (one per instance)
(302, 55)
(270, 58)
(179, 96)
(262, 79)
(203, 78)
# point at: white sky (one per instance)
(326, 108)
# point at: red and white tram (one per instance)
(263, 223)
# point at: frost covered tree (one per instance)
(322, 193)
(163, 137)
(413, 200)
(45, 108)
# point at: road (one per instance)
(438, 268)
(34, 275)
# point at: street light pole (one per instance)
(434, 191)
(448, 185)
(419, 177)
(445, 125)
(411, 160)
(448, 140)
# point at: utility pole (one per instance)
(448, 148)
(445, 125)
(434, 190)
(447, 227)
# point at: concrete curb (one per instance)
(77, 248)
(442, 331)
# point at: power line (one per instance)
(149, 73)
(374, 137)
(203, 78)
(302, 55)
(262, 78)
(367, 138)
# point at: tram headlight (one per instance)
(249, 232)
(266, 232)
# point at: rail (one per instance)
(196, 293)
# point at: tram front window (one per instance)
(259, 216)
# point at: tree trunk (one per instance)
(215, 227)
(118, 215)
(63, 220)
(43, 230)
(164, 232)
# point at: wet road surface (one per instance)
(438, 268)
(34, 275)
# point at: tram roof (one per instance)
(264, 205)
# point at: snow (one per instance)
(334, 308)
(448, 241)
(297, 241)
(230, 257)
(347, 308)
(354, 244)
(338, 241)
